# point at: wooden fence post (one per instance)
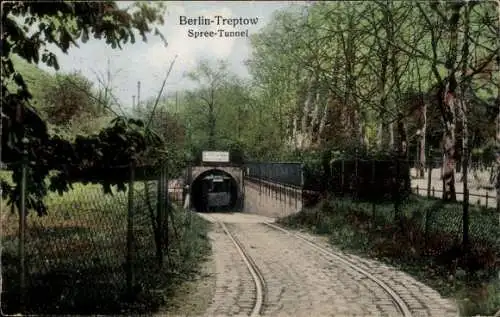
(160, 215)
(397, 201)
(356, 174)
(342, 172)
(302, 182)
(260, 181)
(22, 228)
(373, 194)
(295, 194)
(429, 178)
(130, 233)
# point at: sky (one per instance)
(149, 62)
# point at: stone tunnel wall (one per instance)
(270, 203)
(258, 199)
(235, 172)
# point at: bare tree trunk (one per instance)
(322, 123)
(423, 130)
(380, 133)
(350, 107)
(449, 142)
(384, 63)
(447, 105)
(306, 114)
(364, 133)
(391, 136)
(465, 168)
(307, 106)
(357, 124)
(401, 127)
(385, 136)
(295, 124)
(465, 134)
(401, 183)
(422, 141)
(497, 161)
(314, 127)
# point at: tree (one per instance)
(105, 96)
(23, 130)
(426, 66)
(443, 24)
(278, 80)
(62, 24)
(68, 98)
(206, 98)
(168, 126)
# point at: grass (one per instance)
(76, 255)
(426, 247)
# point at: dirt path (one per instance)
(302, 280)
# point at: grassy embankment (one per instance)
(426, 248)
(76, 255)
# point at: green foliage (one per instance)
(374, 58)
(52, 93)
(76, 256)
(218, 115)
(169, 128)
(28, 28)
(99, 158)
(69, 97)
(36, 79)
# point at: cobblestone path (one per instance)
(301, 281)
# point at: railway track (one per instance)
(260, 298)
(254, 271)
(397, 300)
(257, 277)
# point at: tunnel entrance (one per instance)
(214, 190)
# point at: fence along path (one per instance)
(480, 192)
(67, 245)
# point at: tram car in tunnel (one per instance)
(217, 190)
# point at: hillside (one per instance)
(36, 79)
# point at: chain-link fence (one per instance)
(379, 207)
(381, 191)
(92, 252)
(378, 197)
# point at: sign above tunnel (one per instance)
(215, 156)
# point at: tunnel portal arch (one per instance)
(236, 185)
